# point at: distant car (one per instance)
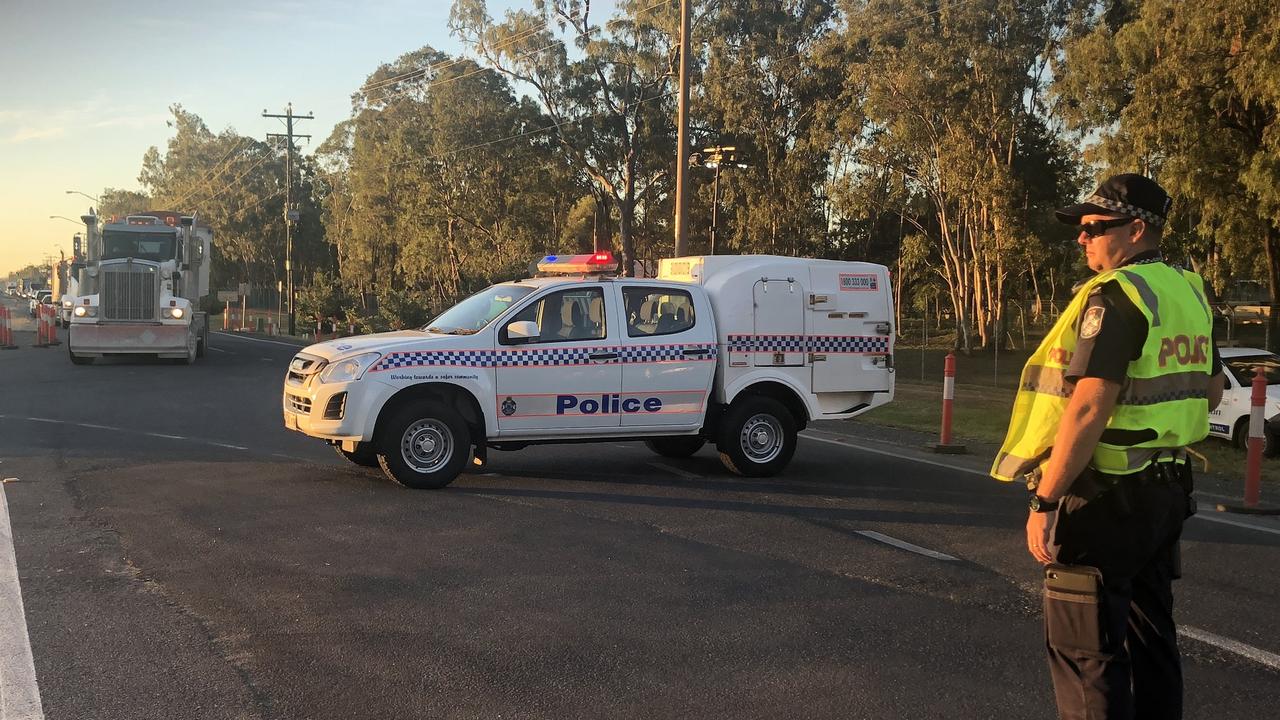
(1230, 420)
(42, 297)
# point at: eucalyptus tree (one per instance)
(439, 181)
(608, 97)
(1190, 93)
(943, 101)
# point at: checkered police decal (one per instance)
(858, 344)
(545, 357)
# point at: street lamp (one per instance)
(64, 217)
(77, 192)
(714, 158)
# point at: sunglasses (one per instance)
(1100, 227)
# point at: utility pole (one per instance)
(290, 211)
(682, 137)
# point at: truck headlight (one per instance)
(174, 312)
(66, 304)
(349, 369)
(85, 311)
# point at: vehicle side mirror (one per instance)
(523, 330)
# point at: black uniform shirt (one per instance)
(1119, 338)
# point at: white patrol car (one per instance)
(1231, 418)
(739, 350)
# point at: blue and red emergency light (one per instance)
(573, 264)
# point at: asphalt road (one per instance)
(181, 555)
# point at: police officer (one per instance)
(1107, 404)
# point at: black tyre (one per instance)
(676, 447)
(200, 347)
(80, 359)
(757, 436)
(1240, 438)
(365, 455)
(424, 446)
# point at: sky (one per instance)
(86, 85)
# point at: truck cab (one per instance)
(717, 350)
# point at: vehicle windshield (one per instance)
(1242, 368)
(471, 315)
(154, 246)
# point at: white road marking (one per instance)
(214, 349)
(864, 448)
(120, 430)
(1213, 517)
(904, 545)
(1200, 516)
(1262, 657)
(167, 437)
(19, 692)
(682, 473)
(254, 339)
(225, 445)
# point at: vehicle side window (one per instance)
(657, 311)
(564, 316)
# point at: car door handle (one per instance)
(603, 356)
(695, 351)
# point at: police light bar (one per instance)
(573, 264)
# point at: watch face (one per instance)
(1034, 504)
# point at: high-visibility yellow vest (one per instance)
(1166, 388)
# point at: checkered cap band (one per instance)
(1126, 209)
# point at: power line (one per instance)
(224, 164)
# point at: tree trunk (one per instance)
(1273, 280)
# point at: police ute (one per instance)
(740, 351)
(1230, 420)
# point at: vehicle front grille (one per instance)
(302, 367)
(129, 292)
(298, 404)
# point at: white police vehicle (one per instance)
(1230, 420)
(739, 350)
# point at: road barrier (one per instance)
(1257, 440)
(6, 330)
(948, 397)
(46, 331)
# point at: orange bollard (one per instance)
(1257, 420)
(6, 331)
(39, 327)
(53, 325)
(948, 397)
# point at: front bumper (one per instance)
(119, 338)
(333, 411)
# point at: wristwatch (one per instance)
(1039, 504)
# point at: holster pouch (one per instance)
(1075, 610)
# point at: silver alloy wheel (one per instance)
(426, 445)
(761, 438)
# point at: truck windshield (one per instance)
(157, 247)
(472, 314)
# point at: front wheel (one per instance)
(80, 359)
(757, 436)
(424, 445)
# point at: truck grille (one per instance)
(298, 404)
(129, 292)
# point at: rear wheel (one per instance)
(424, 445)
(676, 447)
(364, 455)
(1240, 438)
(757, 436)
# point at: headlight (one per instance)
(349, 369)
(66, 304)
(85, 311)
(174, 312)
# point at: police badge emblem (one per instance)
(1091, 324)
(508, 407)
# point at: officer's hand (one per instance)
(1038, 526)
